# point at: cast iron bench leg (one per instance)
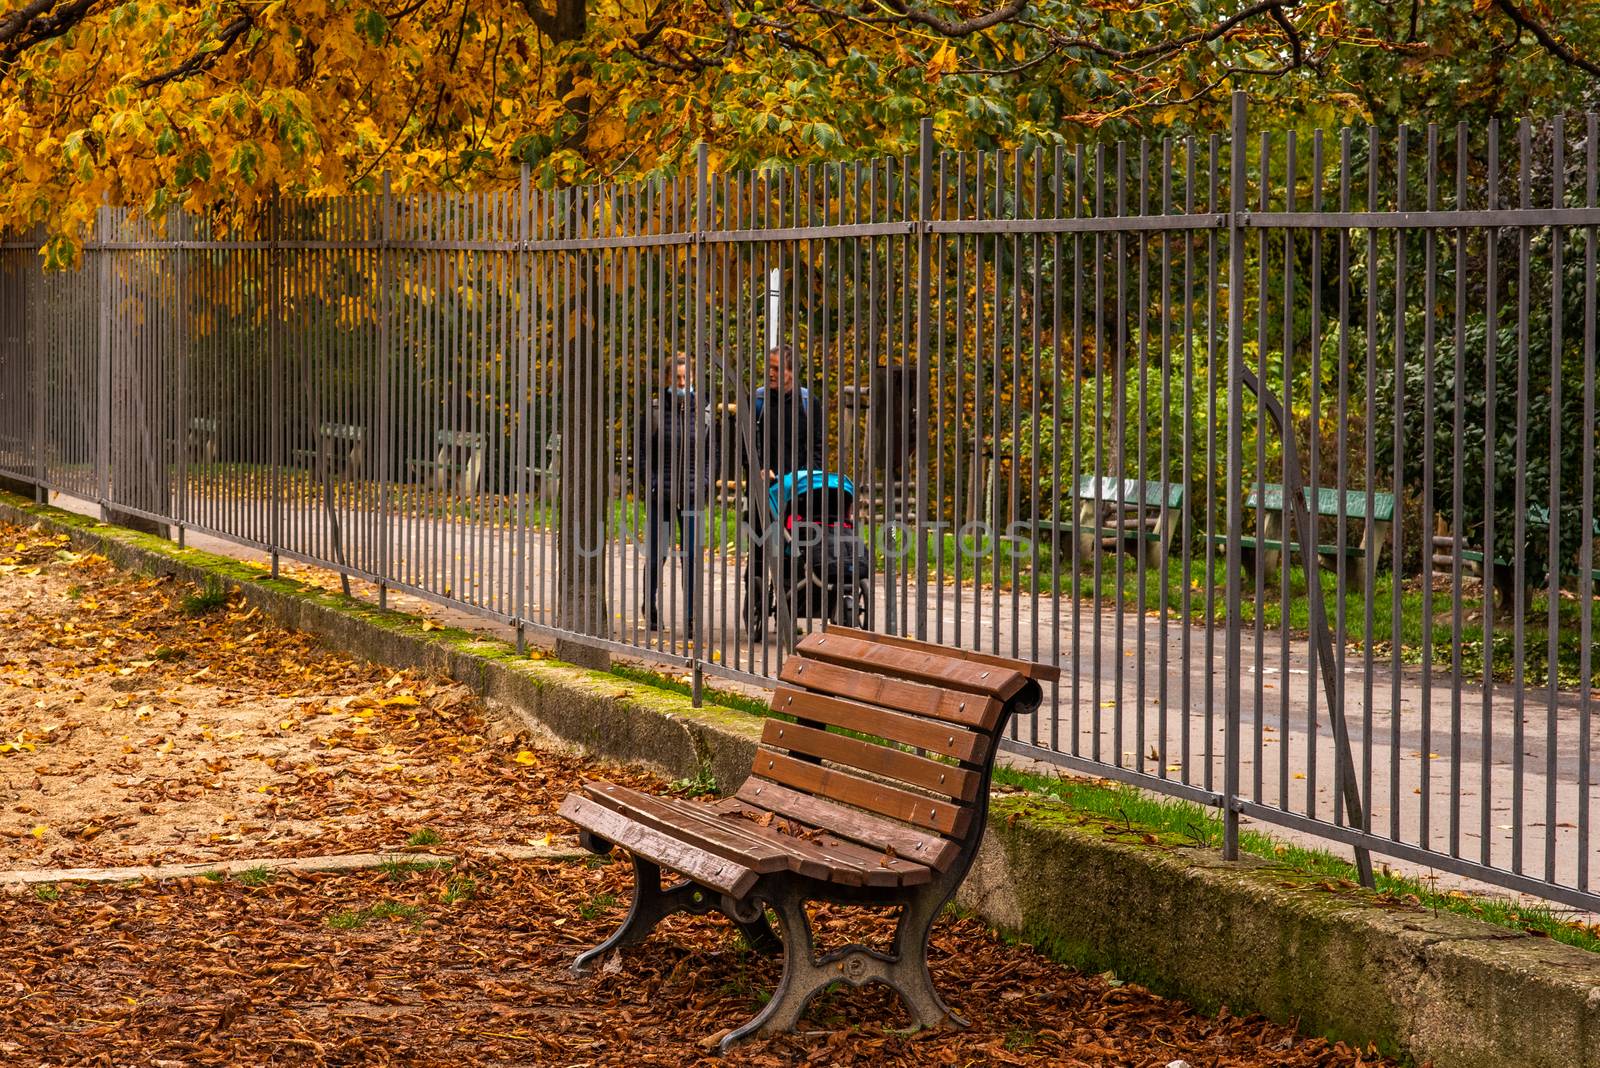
(652, 904)
(805, 975)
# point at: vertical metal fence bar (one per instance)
(1314, 461)
(1141, 470)
(1430, 252)
(1258, 479)
(1492, 328)
(933, 503)
(1457, 494)
(1233, 650)
(104, 263)
(1586, 552)
(1520, 578)
(1164, 469)
(1290, 478)
(1058, 354)
(1213, 324)
(1186, 531)
(1397, 566)
(1370, 480)
(1586, 560)
(1553, 626)
(1119, 461)
(1067, 513)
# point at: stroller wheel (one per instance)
(854, 609)
(755, 612)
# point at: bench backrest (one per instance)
(342, 431)
(1539, 516)
(458, 439)
(1270, 496)
(1130, 492)
(912, 775)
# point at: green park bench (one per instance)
(547, 471)
(1266, 547)
(340, 450)
(1121, 515)
(457, 464)
(200, 441)
(1447, 557)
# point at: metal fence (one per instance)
(1282, 445)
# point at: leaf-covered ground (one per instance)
(141, 721)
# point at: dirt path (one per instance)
(145, 723)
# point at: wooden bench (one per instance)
(1266, 547)
(1122, 515)
(827, 816)
(341, 449)
(457, 464)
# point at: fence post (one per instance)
(701, 347)
(274, 382)
(1232, 649)
(32, 340)
(180, 421)
(925, 152)
(102, 461)
(525, 441)
(385, 431)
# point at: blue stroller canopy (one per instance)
(793, 484)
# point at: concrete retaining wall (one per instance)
(1431, 987)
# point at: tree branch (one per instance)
(1547, 39)
(198, 62)
(1165, 48)
(37, 22)
(956, 27)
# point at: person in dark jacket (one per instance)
(674, 451)
(788, 427)
(788, 436)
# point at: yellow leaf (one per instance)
(526, 756)
(39, 831)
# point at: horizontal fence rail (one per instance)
(1283, 445)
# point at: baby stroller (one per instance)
(823, 566)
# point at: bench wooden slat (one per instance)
(703, 867)
(946, 740)
(954, 782)
(1328, 501)
(1130, 492)
(660, 813)
(1038, 672)
(917, 665)
(970, 710)
(818, 855)
(873, 831)
(1250, 541)
(875, 867)
(936, 814)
